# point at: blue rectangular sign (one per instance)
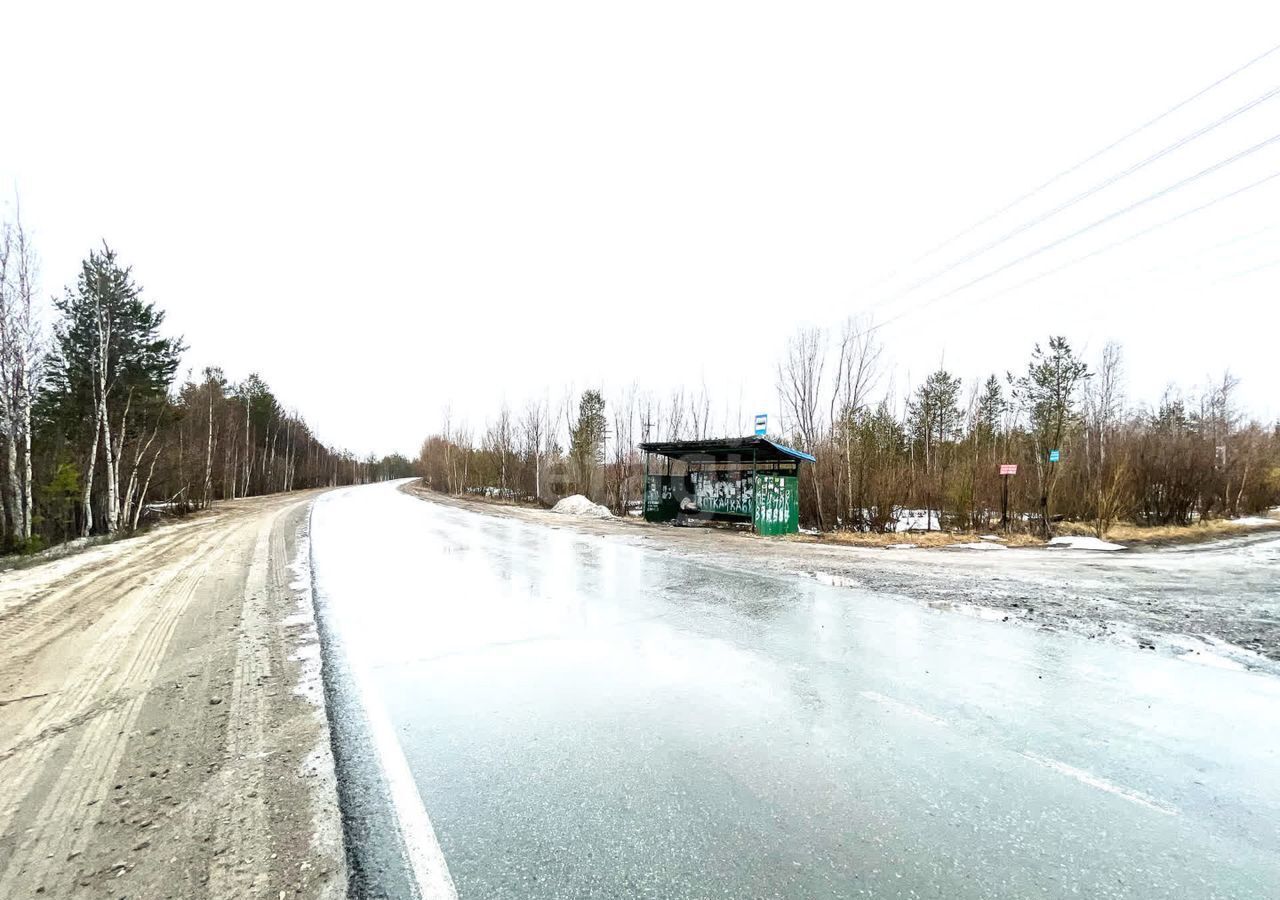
(762, 423)
(1053, 456)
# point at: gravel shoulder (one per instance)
(1214, 603)
(161, 727)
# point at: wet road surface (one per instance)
(585, 717)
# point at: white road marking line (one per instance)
(1102, 784)
(425, 856)
(901, 707)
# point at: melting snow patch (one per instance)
(578, 505)
(835, 580)
(986, 613)
(1254, 521)
(977, 545)
(1084, 543)
(1210, 651)
(901, 546)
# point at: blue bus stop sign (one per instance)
(762, 423)
(1053, 456)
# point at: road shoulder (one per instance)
(179, 748)
(1167, 599)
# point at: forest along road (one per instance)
(161, 731)
(563, 714)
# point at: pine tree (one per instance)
(934, 419)
(586, 440)
(990, 410)
(1047, 393)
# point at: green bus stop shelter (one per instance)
(751, 480)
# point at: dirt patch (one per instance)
(161, 746)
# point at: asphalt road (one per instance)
(584, 717)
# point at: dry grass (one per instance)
(919, 538)
(1122, 532)
(1134, 535)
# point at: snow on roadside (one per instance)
(976, 545)
(306, 654)
(578, 505)
(1072, 542)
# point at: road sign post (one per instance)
(762, 423)
(1007, 470)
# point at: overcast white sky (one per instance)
(382, 208)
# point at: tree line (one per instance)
(99, 436)
(932, 454)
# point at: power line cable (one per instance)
(1105, 219)
(1088, 159)
(1241, 274)
(1107, 248)
(1084, 195)
(1174, 263)
(1135, 236)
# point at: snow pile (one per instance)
(578, 505)
(1084, 543)
(977, 545)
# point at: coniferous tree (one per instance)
(587, 439)
(934, 419)
(1047, 393)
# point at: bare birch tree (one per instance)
(856, 373)
(800, 390)
(1103, 400)
(20, 367)
(533, 431)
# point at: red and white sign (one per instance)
(1009, 469)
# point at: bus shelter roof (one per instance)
(761, 448)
